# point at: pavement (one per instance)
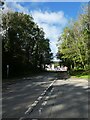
(19, 96)
(66, 99)
(47, 96)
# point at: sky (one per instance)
(51, 16)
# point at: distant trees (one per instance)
(24, 46)
(73, 47)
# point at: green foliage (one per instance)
(24, 46)
(85, 74)
(73, 46)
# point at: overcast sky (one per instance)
(51, 16)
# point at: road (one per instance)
(19, 96)
(66, 98)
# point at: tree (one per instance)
(74, 42)
(24, 46)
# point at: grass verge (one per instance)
(80, 74)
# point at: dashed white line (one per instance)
(36, 101)
(52, 90)
(29, 110)
(44, 103)
(39, 98)
(40, 110)
(45, 91)
(47, 97)
(42, 94)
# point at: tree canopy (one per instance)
(73, 46)
(24, 45)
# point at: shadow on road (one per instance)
(58, 74)
(18, 96)
(62, 75)
(67, 101)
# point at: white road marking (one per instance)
(34, 104)
(52, 90)
(38, 99)
(40, 110)
(21, 118)
(44, 103)
(47, 97)
(45, 91)
(42, 94)
(29, 109)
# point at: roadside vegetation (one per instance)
(24, 46)
(25, 50)
(73, 45)
(80, 74)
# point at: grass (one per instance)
(80, 74)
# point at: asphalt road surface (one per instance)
(64, 98)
